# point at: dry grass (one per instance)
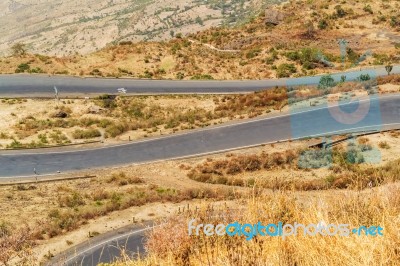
(16, 245)
(76, 208)
(223, 171)
(344, 169)
(392, 79)
(170, 243)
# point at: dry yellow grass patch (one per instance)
(170, 244)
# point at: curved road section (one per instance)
(43, 86)
(106, 248)
(382, 113)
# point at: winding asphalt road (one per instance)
(106, 248)
(379, 113)
(23, 85)
(316, 121)
(376, 113)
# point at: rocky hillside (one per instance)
(65, 27)
(297, 38)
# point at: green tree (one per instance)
(199, 21)
(364, 77)
(326, 81)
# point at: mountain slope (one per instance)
(65, 27)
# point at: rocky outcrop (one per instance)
(274, 17)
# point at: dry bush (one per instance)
(16, 245)
(76, 209)
(170, 243)
(262, 100)
(392, 79)
(221, 171)
(395, 133)
(86, 134)
(384, 145)
(71, 201)
(122, 179)
(346, 167)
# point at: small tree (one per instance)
(364, 77)
(326, 81)
(18, 49)
(389, 69)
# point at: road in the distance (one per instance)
(106, 248)
(383, 111)
(22, 85)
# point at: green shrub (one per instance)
(202, 77)
(180, 75)
(253, 53)
(364, 77)
(22, 68)
(114, 130)
(326, 81)
(322, 24)
(293, 55)
(285, 70)
(340, 12)
(368, 9)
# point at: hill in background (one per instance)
(302, 40)
(66, 27)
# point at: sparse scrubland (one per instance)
(343, 165)
(350, 192)
(111, 117)
(344, 190)
(59, 209)
(264, 51)
(287, 182)
(72, 26)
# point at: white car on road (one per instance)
(121, 90)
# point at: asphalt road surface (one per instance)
(379, 113)
(21, 85)
(106, 248)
